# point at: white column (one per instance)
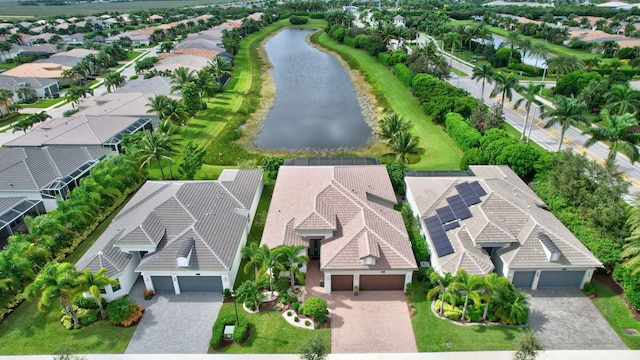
(356, 280)
(407, 279)
(176, 285)
(148, 283)
(536, 279)
(587, 277)
(327, 282)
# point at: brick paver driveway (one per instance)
(174, 324)
(565, 319)
(372, 322)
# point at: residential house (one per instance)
(83, 130)
(68, 58)
(118, 104)
(344, 217)
(46, 70)
(157, 85)
(75, 39)
(43, 87)
(45, 50)
(180, 236)
(137, 39)
(398, 20)
(13, 211)
(491, 221)
(155, 18)
(46, 173)
(188, 61)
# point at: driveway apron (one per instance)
(565, 319)
(174, 324)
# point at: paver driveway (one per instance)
(372, 322)
(174, 324)
(565, 319)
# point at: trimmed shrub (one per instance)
(461, 132)
(398, 57)
(573, 82)
(520, 157)
(474, 156)
(404, 74)
(121, 309)
(239, 332)
(70, 112)
(298, 20)
(421, 86)
(90, 317)
(295, 305)
(315, 307)
(383, 58)
(588, 289)
(296, 319)
(307, 323)
(87, 303)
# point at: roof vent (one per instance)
(550, 249)
(184, 254)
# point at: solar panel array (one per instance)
(448, 217)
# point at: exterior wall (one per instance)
(148, 282)
(127, 279)
(356, 276)
(587, 276)
(326, 234)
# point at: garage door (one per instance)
(523, 279)
(341, 282)
(568, 279)
(163, 284)
(200, 283)
(381, 282)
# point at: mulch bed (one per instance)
(268, 305)
(612, 284)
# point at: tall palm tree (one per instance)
(5, 99)
(113, 80)
(291, 255)
(493, 283)
(158, 104)
(453, 39)
(391, 124)
(592, 63)
(180, 77)
(525, 47)
(442, 283)
(219, 67)
(513, 39)
(176, 112)
(170, 132)
(619, 131)
(153, 146)
(270, 262)
(252, 253)
(94, 283)
(529, 94)
(505, 85)
(206, 83)
(540, 50)
(404, 143)
(57, 281)
(485, 73)
(564, 64)
(567, 112)
(468, 286)
(622, 99)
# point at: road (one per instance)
(547, 138)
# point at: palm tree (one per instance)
(219, 67)
(55, 282)
(94, 283)
(270, 262)
(591, 63)
(512, 40)
(609, 47)
(170, 132)
(505, 84)
(15, 270)
(619, 131)
(392, 124)
(525, 47)
(206, 83)
(622, 99)
(176, 112)
(5, 98)
(442, 284)
(529, 94)
(26, 94)
(153, 146)
(631, 250)
(291, 256)
(485, 73)
(493, 283)
(166, 46)
(453, 39)
(564, 64)
(249, 294)
(113, 80)
(468, 286)
(252, 253)
(540, 50)
(404, 143)
(567, 112)
(158, 104)
(180, 77)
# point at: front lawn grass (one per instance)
(29, 331)
(440, 151)
(42, 103)
(433, 333)
(269, 333)
(615, 311)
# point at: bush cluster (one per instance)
(439, 98)
(239, 331)
(404, 74)
(298, 20)
(316, 308)
(465, 135)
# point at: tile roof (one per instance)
(39, 70)
(77, 130)
(510, 215)
(344, 200)
(9, 203)
(213, 213)
(160, 85)
(118, 104)
(189, 61)
(13, 82)
(32, 168)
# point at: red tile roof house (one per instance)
(344, 216)
(492, 221)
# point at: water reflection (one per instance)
(315, 105)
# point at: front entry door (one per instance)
(314, 248)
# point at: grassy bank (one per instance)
(615, 311)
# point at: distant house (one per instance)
(137, 39)
(491, 221)
(83, 130)
(118, 104)
(398, 20)
(33, 40)
(160, 85)
(45, 50)
(188, 61)
(46, 173)
(68, 58)
(75, 39)
(155, 18)
(180, 236)
(44, 70)
(344, 217)
(618, 5)
(13, 211)
(43, 87)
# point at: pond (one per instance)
(529, 59)
(315, 106)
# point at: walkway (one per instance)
(372, 322)
(174, 324)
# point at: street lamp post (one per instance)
(235, 306)
(543, 74)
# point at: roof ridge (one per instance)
(142, 201)
(231, 193)
(53, 164)
(210, 249)
(24, 162)
(439, 199)
(339, 250)
(101, 256)
(145, 231)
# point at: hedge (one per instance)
(404, 74)
(461, 132)
(383, 58)
(239, 332)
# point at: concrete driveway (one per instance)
(372, 322)
(174, 324)
(565, 319)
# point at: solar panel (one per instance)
(468, 195)
(451, 225)
(459, 208)
(443, 246)
(438, 236)
(478, 188)
(445, 214)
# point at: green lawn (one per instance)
(615, 310)
(440, 151)
(8, 119)
(269, 333)
(42, 103)
(432, 333)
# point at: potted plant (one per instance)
(148, 294)
(356, 290)
(322, 282)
